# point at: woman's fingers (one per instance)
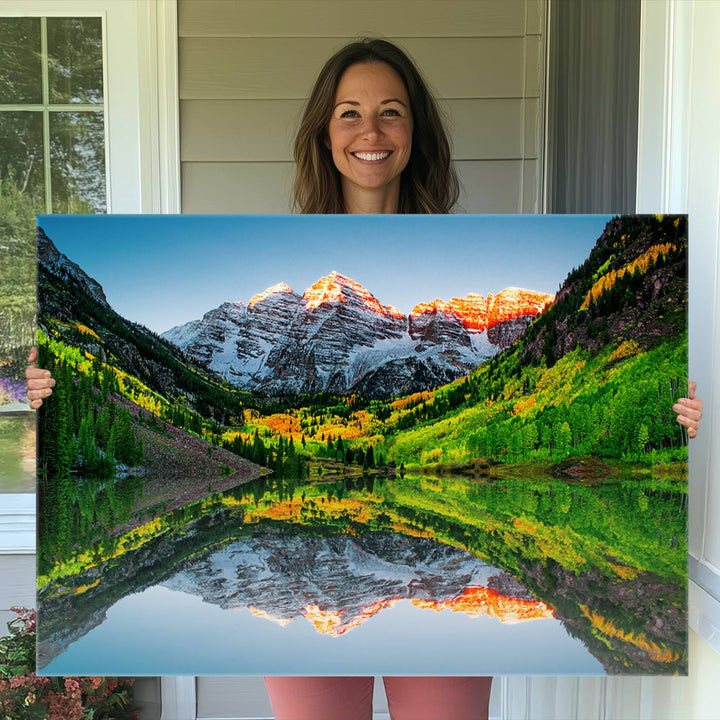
(689, 412)
(38, 382)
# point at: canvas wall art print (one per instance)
(341, 445)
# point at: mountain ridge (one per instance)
(338, 337)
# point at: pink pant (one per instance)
(350, 698)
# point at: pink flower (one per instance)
(43, 683)
(62, 707)
(72, 686)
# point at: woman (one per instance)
(372, 140)
(370, 98)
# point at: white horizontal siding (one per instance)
(227, 130)
(267, 68)
(337, 18)
(497, 186)
(17, 523)
(246, 68)
(244, 187)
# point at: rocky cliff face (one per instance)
(338, 337)
(481, 313)
(633, 286)
(66, 270)
(72, 308)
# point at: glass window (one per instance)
(52, 135)
(74, 56)
(20, 66)
(52, 160)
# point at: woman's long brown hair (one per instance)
(428, 183)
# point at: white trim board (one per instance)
(17, 523)
(704, 614)
(679, 172)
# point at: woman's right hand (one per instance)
(38, 382)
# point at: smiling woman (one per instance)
(372, 139)
(370, 135)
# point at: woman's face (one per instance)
(370, 130)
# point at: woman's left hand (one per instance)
(39, 382)
(689, 411)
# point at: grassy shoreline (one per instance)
(588, 468)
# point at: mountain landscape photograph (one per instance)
(388, 444)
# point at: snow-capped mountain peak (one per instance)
(338, 337)
(335, 288)
(280, 287)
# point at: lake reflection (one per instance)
(381, 576)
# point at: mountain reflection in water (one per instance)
(338, 583)
(350, 554)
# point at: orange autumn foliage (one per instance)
(654, 651)
(639, 264)
(413, 399)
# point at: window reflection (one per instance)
(52, 159)
(77, 162)
(20, 61)
(75, 60)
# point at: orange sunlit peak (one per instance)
(333, 622)
(333, 287)
(477, 601)
(326, 622)
(279, 288)
(479, 313)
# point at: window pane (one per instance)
(75, 60)
(17, 291)
(77, 162)
(21, 154)
(20, 74)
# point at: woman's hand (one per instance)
(38, 382)
(689, 411)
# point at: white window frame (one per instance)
(679, 172)
(141, 142)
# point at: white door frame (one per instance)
(679, 172)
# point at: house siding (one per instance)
(246, 67)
